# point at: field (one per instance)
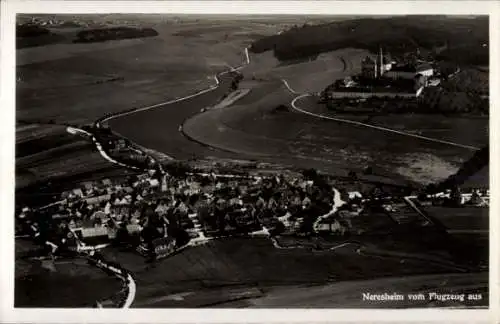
(346, 294)
(62, 284)
(65, 83)
(462, 219)
(87, 80)
(258, 129)
(49, 159)
(216, 273)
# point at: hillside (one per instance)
(457, 39)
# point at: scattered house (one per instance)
(434, 82)
(331, 225)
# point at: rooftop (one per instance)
(412, 68)
(371, 60)
(377, 89)
(378, 85)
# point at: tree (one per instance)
(310, 174)
(234, 85)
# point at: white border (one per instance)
(7, 132)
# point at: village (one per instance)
(155, 213)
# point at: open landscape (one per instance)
(217, 147)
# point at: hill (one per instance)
(453, 38)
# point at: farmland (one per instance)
(66, 282)
(208, 274)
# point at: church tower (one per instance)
(381, 63)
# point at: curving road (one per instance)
(357, 123)
(165, 128)
(217, 79)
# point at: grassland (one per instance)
(61, 284)
(78, 82)
(426, 163)
(346, 294)
(253, 126)
(49, 159)
(225, 265)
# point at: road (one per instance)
(164, 120)
(304, 110)
(162, 123)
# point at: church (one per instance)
(381, 77)
(375, 68)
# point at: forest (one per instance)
(458, 39)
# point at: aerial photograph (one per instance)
(251, 161)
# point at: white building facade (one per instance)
(366, 95)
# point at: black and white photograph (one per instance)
(325, 161)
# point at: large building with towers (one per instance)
(384, 78)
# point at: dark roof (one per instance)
(368, 60)
(404, 68)
(411, 68)
(423, 67)
(377, 89)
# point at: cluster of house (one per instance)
(55, 22)
(122, 149)
(154, 206)
(91, 210)
(472, 197)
